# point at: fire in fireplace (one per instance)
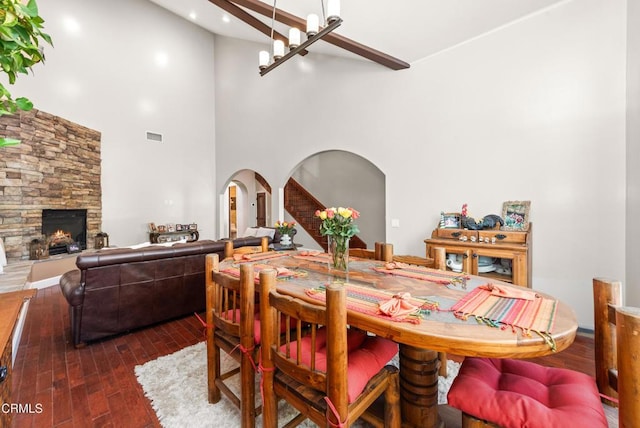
(64, 227)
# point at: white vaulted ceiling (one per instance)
(406, 29)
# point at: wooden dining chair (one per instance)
(617, 350)
(231, 319)
(545, 396)
(628, 347)
(438, 262)
(607, 295)
(367, 253)
(230, 251)
(329, 373)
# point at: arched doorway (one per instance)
(245, 202)
(342, 178)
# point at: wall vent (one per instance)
(154, 136)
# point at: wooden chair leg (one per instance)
(442, 371)
(392, 417)
(247, 392)
(213, 353)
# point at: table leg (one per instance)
(419, 387)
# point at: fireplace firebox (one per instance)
(62, 228)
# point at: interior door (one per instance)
(261, 209)
(233, 219)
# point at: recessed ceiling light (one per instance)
(71, 25)
(193, 15)
(225, 18)
(162, 59)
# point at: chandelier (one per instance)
(270, 60)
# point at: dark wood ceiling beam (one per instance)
(246, 17)
(335, 39)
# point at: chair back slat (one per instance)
(363, 253)
(628, 336)
(376, 254)
(437, 262)
(607, 295)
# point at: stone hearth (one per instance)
(57, 165)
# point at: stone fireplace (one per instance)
(56, 167)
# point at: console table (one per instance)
(470, 245)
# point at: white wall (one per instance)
(104, 73)
(632, 287)
(533, 111)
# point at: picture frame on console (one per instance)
(451, 220)
(516, 215)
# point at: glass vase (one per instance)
(338, 250)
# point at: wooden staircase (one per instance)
(302, 206)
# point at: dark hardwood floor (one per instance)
(90, 387)
(96, 386)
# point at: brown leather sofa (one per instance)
(117, 290)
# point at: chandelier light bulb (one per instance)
(313, 24)
(263, 59)
(294, 38)
(333, 10)
(278, 49)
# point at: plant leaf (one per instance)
(24, 104)
(10, 19)
(4, 142)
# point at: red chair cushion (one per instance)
(367, 355)
(516, 393)
(256, 323)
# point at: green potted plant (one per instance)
(20, 48)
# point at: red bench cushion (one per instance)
(516, 393)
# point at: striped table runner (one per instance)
(368, 300)
(423, 273)
(535, 315)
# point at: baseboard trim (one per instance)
(44, 283)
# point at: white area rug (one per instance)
(176, 385)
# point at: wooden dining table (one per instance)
(303, 274)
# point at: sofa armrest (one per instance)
(72, 287)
